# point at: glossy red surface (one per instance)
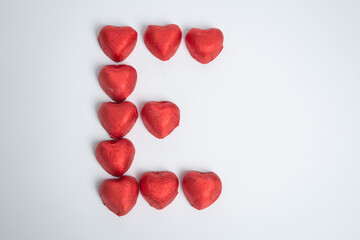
(160, 118)
(115, 156)
(117, 42)
(118, 81)
(163, 41)
(118, 118)
(201, 189)
(120, 195)
(204, 45)
(159, 188)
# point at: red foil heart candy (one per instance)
(118, 118)
(159, 188)
(115, 156)
(120, 195)
(118, 81)
(204, 45)
(117, 42)
(201, 189)
(163, 41)
(160, 118)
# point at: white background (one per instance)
(276, 116)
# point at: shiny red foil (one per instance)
(201, 189)
(118, 81)
(118, 118)
(159, 188)
(204, 45)
(120, 195)
(117, 42)
(115, 156)
(160, 118)
(163, 41)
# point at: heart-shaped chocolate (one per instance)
(159, 188)
(160, 118)
(163, 41)
(118, 118)
(117, 42)
(115, 156)
(120, 195)
(201, 189)
(118, 81)
(204, 45)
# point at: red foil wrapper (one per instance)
(115, 156)
(160, 118)
(159, 188)
(120, 195)
(118, 118)
(201, 189)
(117, 42)
(118, 81)
(163, 41)
(204, 45)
